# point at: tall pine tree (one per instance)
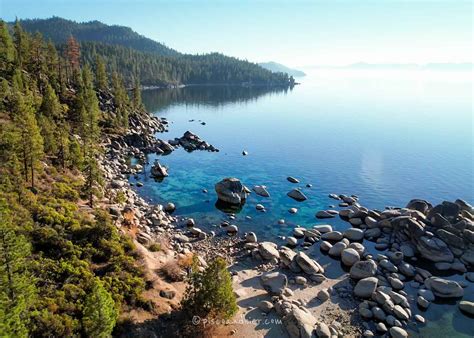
(7, 51)
(102, 83)
(90, 137)
(121, 101)
(30, 142)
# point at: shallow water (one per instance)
(387, 137)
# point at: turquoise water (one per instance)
(387, 137)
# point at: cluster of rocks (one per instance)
(345, 201)
(230, 190)
(190, 142)
(297, 319)
(443, 234)
(151, 221)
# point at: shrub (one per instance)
(210, 293)
(120, 198)
(172, 271)
(65, 191)
(99, 313)
(155, 247)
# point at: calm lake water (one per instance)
(386, 136)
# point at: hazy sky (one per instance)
(296, 33)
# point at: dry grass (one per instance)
(174, 269)
(185, 260)
(172, 272)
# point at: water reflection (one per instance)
(212, 96)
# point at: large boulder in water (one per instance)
(231, 190)
(261, 190)
(158, 171)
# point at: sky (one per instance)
(296, 33)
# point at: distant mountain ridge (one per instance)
(279, 68)
(59, 30)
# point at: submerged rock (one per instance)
(297, 195)
(325, 214)
(261, 190)
(292, 179)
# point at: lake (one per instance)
(386, 136)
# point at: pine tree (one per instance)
(30, 142)
(73, 53)
(21, 43)
(53, 66)
(121, 100)
(16, 285)
(90, 120)
(101, 74)
(210, 292)
(50, 113)
(137, 94)
(100, 313)
(7, 51)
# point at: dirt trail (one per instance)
(152, 262)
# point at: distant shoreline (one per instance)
(218, 84)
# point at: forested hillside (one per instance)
(131, 54)
(65, 269)
(59, 30)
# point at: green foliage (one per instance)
(121, 100)
(29, 141)
(210, 293)
(7, 51)
(59, 30)
(100, 313)
(49, 131)
(102, 83)
(155, 247)
(65, 191)
(155, 64)
(16, 287)
(120, 198)
(137, 94)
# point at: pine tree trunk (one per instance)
(32, 173)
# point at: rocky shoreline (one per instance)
(374, 287)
